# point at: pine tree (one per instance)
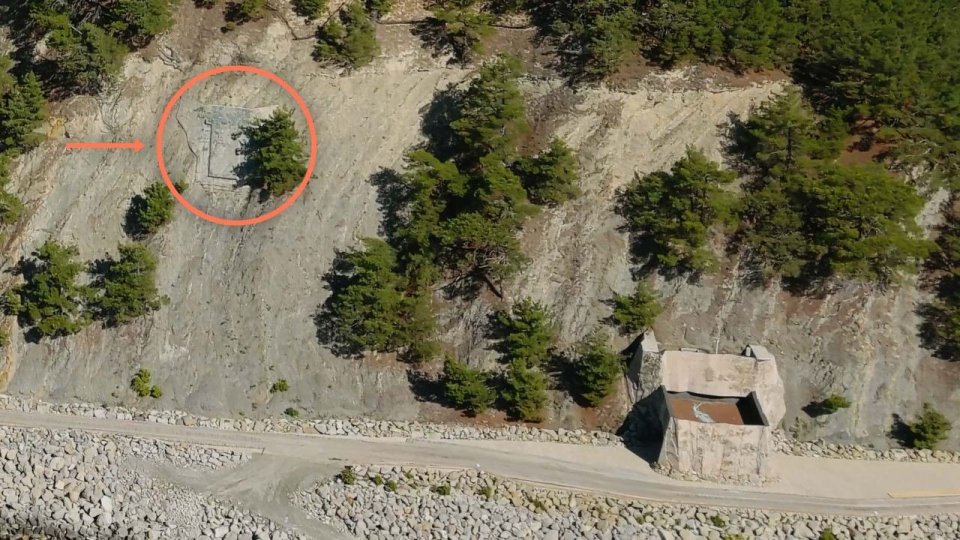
(635, 312)
(525, 392)
(349, 39)
(51, 302)
(784, 135)
(7, 80)
(492, 116)
(22, 110)
(275, 160)
(467, 388)
(370, 309)
(10, 206)
(670, 213)
(862, 223)
(311, 9)
(551, 178)
(526, 332)
(127, 285)
(597, 368)
(460, 28)
(138, 21)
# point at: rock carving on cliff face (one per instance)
(219, 142)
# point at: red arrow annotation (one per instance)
(136, 146)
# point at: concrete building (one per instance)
(713, 414)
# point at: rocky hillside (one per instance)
(243, 299)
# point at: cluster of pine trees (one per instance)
(802, 216)
(60, 295)
(86, 42)
(453, 217)
(887, 68)
(22, 112)
(55, 301)
(526, 337)
(455, 213)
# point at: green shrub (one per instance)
(152, 210)
(156, 392)
(141, 383)
(4, 338)
(11, 208)
(828, 534)
(311, 9)
(524, 392)
(279, 386)
(51, 302)
(442, 490)
(349, 39)
(526, 332)
(551, 178)
(635, 312)
(670, 213)
(274, 155)
(348, 476)
(717, 521)
(391, 486)
(291, 412)
(487, 492)
(597, 368)
(929, 429)
(467, 388)
(243, 11)
(128, 286)
(834, 403)
(378, 480)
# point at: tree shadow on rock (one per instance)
(561, 368)
(900, 431)
(393, 196)
(434, 35)
(132, 226)
(815, 409)
(437, 116)
(427, 388)
(329, 333)
(934, 336)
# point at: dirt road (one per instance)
(807, 485)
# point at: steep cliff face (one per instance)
(242, 299)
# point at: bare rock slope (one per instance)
(242, 299)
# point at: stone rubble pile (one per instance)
(785, 444)
(363, 427)
(482, 506)
(66, 484)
